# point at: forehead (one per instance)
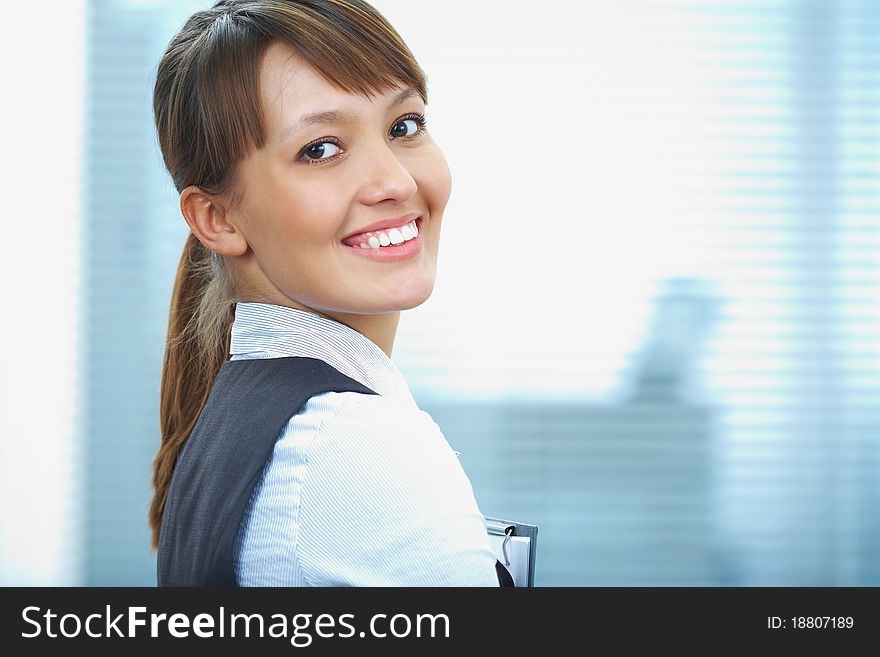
(286, 77)
(290, 87)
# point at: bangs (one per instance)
(215, 91)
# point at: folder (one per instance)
(515, 545)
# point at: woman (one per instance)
(295, 134)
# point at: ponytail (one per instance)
(199, 325)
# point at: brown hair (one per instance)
(208, 116)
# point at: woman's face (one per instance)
(314, 184)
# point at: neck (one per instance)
(379, 329)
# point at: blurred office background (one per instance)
(656, 326)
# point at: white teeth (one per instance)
(393, 236)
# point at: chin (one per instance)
(415, 303)
(414, 295)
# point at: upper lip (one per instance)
(395, 222)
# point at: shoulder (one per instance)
(318, 409)
(373, 427)
(355, 423)
(388, 451)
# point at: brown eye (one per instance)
(317, 149)
(417, 124)
(400, 129)
(314, 153)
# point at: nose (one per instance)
(386, 176)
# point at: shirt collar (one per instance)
(265, 330)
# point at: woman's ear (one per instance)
(208, 221)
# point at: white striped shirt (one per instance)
(361, 490)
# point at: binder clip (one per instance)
(508, 532)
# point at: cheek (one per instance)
(310, 217)
(435, 181)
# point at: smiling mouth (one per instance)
(388, 237)
(402, 251)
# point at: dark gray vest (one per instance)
(223, 460)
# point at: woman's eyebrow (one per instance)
(330, 116)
